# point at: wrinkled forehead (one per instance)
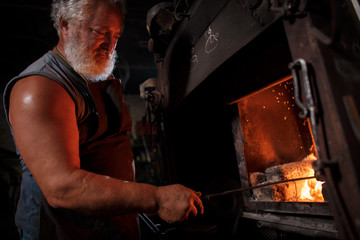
(103, 11)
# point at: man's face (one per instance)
(90, 46)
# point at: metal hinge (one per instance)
(299, 70)
(305, 101)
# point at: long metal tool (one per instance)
(212, 195)
(152, 226)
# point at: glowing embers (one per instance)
(309, 190)
(278, 145)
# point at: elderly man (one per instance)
(70, 127)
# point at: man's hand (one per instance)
(177, 203)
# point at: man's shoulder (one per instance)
(34, 87)
(35, 96)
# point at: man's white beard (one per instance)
(83, 62)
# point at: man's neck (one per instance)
(59, 52)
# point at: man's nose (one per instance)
(109, 43)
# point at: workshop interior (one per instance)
(253, 103)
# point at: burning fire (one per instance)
(311, 191)
(307, 190)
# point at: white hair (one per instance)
(76, 11)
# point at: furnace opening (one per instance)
(278, 145)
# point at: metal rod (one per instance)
(149, 223)
(208, 196)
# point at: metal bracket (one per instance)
(305, 102)
(300, 66)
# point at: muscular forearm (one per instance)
(101, 195)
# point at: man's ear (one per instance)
(64, 25)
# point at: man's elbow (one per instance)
(58, 195)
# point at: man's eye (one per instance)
(98, 32)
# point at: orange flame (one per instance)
(309, 190)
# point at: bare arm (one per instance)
(42, 115)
